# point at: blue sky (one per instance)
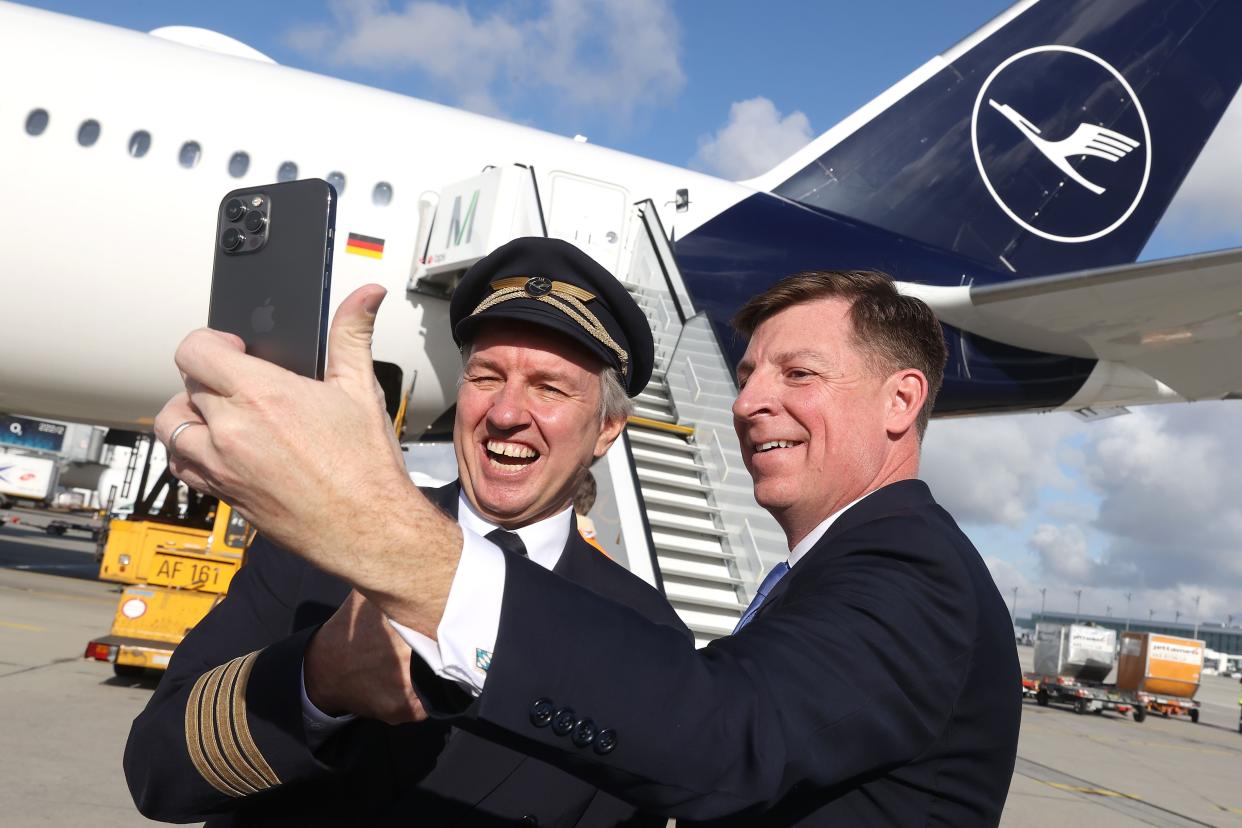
(1136, 504)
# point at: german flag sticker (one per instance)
(365, 246)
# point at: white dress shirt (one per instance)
(803, 546)
(466, 636)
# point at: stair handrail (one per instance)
(650, 218)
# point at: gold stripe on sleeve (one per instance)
(215, 711)
(194, 739)
(237, 763)
(241, 724)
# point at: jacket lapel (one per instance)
(445, 497)
(896, 496)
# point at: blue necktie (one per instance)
(769, 582)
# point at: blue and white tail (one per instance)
(1052, 139)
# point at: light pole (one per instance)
(1150, 613)
(1042, 592)
(1177, 616)
(1014, 608)
(1077, 606)
(1196, 635)
(1108, 611)
(1127, 612)
(1229, 621)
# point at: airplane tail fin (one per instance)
(1052, 139)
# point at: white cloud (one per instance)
(1063, 554)
(1210, 199)
(990, 470)
(613, 56)
(1144, 505)
(1169, 479)
(755, 139)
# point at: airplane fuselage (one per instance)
(109, 248)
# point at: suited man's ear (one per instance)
(905, 395)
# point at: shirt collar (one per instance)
(544, 539)
(803, 546)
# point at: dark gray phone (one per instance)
(273, 271)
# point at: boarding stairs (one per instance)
(707, 535)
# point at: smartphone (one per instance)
(272, 276)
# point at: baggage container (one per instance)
(1161, 665)
(1077, 651)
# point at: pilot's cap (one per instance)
(551, 283)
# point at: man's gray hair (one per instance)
(613, 401)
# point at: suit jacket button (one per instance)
(584, 733)
(529, 819)
(564, 721)
(606, 741)
(541, 712)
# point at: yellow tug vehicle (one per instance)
(176, 559)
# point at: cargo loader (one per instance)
(1161, 674)
(1071, 663)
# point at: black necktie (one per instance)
(507, 541)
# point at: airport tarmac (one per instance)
(63, 722)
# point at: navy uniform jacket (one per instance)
(222, 737)
(877, 685)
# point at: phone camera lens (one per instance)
(232, 239)
(234, 209)
(254, 221)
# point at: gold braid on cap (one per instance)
(563, 296)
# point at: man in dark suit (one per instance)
(873, 681)
(291, 702)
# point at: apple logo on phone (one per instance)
(263, 319)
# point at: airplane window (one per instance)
(190, 154)
(139, 143)
(337, 179)
(36, 121)
(381, 196)
(88, 133)
(287, 172)
(238, 164)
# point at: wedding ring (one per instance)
(172, 439)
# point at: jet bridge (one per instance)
(675, 503)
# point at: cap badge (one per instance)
(538, 286)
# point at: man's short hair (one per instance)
(891, 330)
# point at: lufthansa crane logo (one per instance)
(1062, 143)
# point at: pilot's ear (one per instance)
(608, 434)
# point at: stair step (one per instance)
(710, 571)
(645, 455)
(685, 482)
(694, 546)
(729, 607)
(652, 413)
(665, 441)
(715, 623)
(684, 523)
(681, 501)
(680, 430)
(655, 396)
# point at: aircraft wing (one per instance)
(1178, 320)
